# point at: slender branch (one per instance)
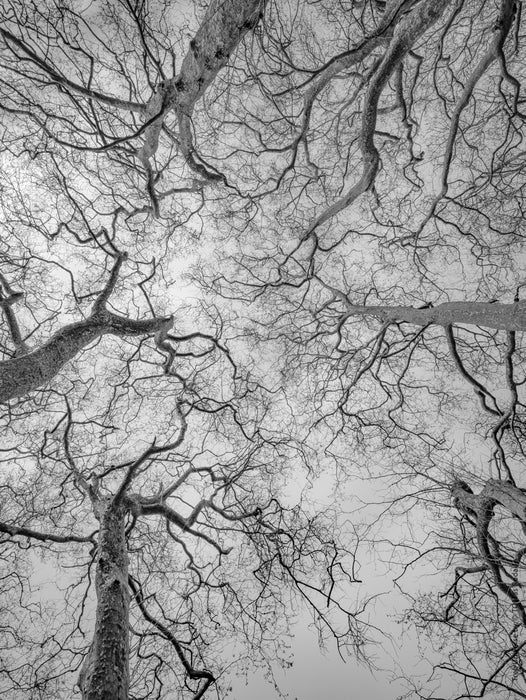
(65, 82)
(148, 454)
(14, 530)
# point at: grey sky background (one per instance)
(316, 675)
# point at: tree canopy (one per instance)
(253, 253)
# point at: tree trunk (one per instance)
(105, 673)
(480, 509)
(222, 29)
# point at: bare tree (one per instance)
(190, 547)
(399, 308)
(347, 178)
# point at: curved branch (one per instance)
(411, 27)
(193, 673)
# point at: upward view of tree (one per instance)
(249, 248)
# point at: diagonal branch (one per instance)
(410, 28)
(48, 70)
(24, 374)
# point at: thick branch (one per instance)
(222, 29)
(26, 373)
(501, 31)
(410, 28)
(14, 530)
(8, 297)
(480, 507)
(23, 374)
(510, 497)
(506, 317)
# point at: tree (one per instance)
(206, 556)
(199, 510)
(347, 178)
(403, 313)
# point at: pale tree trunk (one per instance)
(105, 673)
(480, 508)
(223, 27)
(407, 31)
(506, 317)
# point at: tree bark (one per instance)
(26, 373)
(480, 508)
(495, 491)
(222, 29)
(105, 673)
(506, 317)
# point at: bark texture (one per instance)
(26, 373)
(222, 29)
(506, 317)
(480, 510)
(105, 673)
(503, 493)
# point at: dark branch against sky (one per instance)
(262, 347)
